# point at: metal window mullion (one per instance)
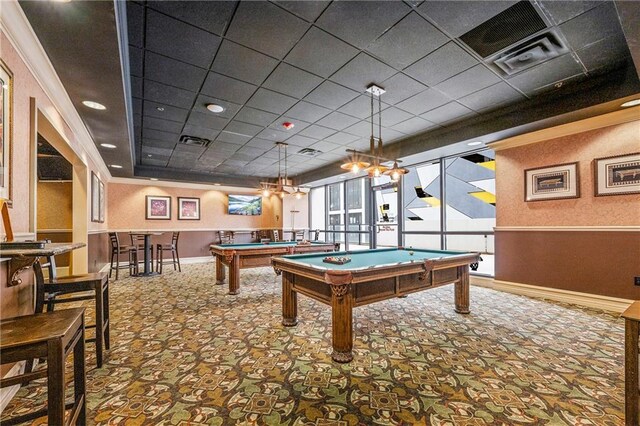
(443, 203)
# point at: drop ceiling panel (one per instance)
(391, 116)
(309, 10)
(331, 95)
(467, 82)
(172, 72)
(400, 87)
(317, 132)
(135, 61)
(362, 71)
(233, 138)
(208, 121)
(458, 17)
(243, 63)
(227, 88)
(200, 132)
(135, 24)
(255, 116)
(561, 11)
(161, 124)
(538, 77)
(445, 62)
(452, 111)
(168, 95)
(424, 101)
(360, 107)
(308, 112)
(291, 81)
(243, 129)
(329, 53)
(492, 97)
(271, 101)
(604, 53)
(338, 121)
(601, 21)
(210, 16)
(341, 138)
(302, 141)
(154, 109)
(413, 125)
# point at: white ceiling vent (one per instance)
(532, 52)
(309, 152)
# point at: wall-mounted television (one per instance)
(245, 205)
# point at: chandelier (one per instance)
(372, 162)
(283, 185)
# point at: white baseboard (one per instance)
(7, 394)
(606, 303)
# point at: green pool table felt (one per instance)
(248, 246)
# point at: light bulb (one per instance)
(355, 168)
(376, 172)
(265, 192)
(282, 195)
(395, 176)
(298, 195)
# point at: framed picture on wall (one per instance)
(552, 182)
(101, 202)
(617, 175)
(188, 208)
(95, 198)
(6, 129)
(158, 207)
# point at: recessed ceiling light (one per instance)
(631, 103)
(475, 143)
(153, 178)
(94, 105)
(160, 108)
(149, 155)
(115, 166)
(108, 145)
(216, 184)
(215, 108)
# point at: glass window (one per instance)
(335, 198)
(421, 198)
(355, 193)
(318, 208)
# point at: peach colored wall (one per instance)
(126, 209)
(54, 205)
(587, 210)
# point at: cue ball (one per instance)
(410, 253)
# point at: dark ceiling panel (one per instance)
(360, 107)
(168, 95)
(561, 11)
(136, 87)
(160, 136)
(230, 109)
(309, 9)
(301, 141)
(271, 101)
(233, 138)
(200, 132)
(338, 121)
(601, 21)
(135, 61)
(208, 121)
(469, 81)
(135, 24)
(243, 63)
(164, 125)
(423, 102)
(291, 81)
(265, 27)
(413, 125)
(317, 132)
(227, 88)
(445, 62)
(359, 23)
(308, 112)
(178, 40)
(243, 128)
(391, 116)
(411, 39)
(547, 73)
(210, 16)
(452, 111)
(154, 109)
(400, 87)
(331, 95)
(329, 53)
(174, 73)
(604, 53)
(492, 97)
(255, 116)
(362, 71)
(341, 138)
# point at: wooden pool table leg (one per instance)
(289, 301)
(462, 290)
(234, 275)
(219, 270)
(342, 322)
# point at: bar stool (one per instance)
(226, 237)
(137, 242)
(117, 250)
(299, 236)
(93, 286)
(173, 248)
(276, 235)
(51, 335)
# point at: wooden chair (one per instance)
(263, 235)
(76, 288)
(137, 242)
(226, 237)
(116, 251)
(299, 235)
(276, 235)
(173, 248)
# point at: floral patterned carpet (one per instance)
(186, 353)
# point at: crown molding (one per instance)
(15, 25)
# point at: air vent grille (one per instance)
(193, 140)
(309, 152)
(532, 52)
(506, 28)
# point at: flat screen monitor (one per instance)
(245, 205)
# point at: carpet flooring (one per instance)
(184, 352)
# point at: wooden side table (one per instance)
(51, 335)
(631, 366)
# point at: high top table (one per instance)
(148, 267)
(631, 367)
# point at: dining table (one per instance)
(148, 267)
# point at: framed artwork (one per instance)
(188, 208)
(552, 182)
(617, 175)
(101, 202)
(95, 198)
(6, 129)
(158, 207)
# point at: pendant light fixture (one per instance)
(283, 185)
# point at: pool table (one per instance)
(255, 255)
(370, 276)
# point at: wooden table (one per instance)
(148, 267)
(631, 364)
(370, 276)
(23, 259)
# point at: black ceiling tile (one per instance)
(423, 102)
(291, 81)
(160, 135)
(243, 129)
(212, 16)
(136, 87)
(458, 17)
(178, 40)
(218, 148)
(227, 88)
(536, 78)
(317, 132)
(359, 23)
(233, 138)
(391, 116)
(191, 151)
(243, 63)
(135, 24)
(168, 95)
(174, 73)
(307, 112)
(154, 109)
(341, 138)
(452, 111)
(362, 71)
(230, 109)
(255, 116)
(155, 151)
(252, 151)
(409, 40)
(320, 53)
(208, 121)
(360, 107)
(137, 106)
(400, 87)
(135, 61)
(274, 135)
(561, 11)
(492, 97)
(262, 161)
(362, 129)
(604, 52)
(301, 141)
(164, 125)
(265, 145)
(445, 62)
(338, 121)
(240, 157)
(602, 22)
(266, 28)
(268, 100)
(153, 162)
(413, 125)
(331, 95)
(309, 9)
(159, 144)
(469, 81)
(200, 132)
